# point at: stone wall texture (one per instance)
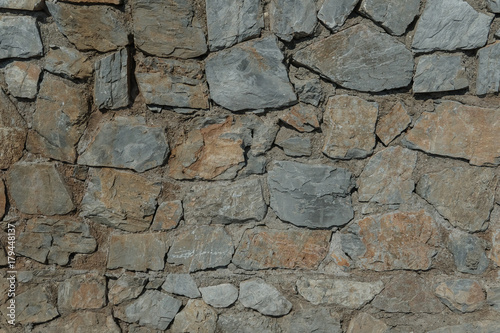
(250, 166)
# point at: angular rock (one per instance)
(494, 254)
(167, 216)
(22, 79)
(365, 323)
(220, 296)
(230, 22)
(181, 284)
(450, 25)
(79, 292)
(485, 326)
(473, 195)
(127, 142)
(488, 74)
(313, 320)
(195, 317)
(334, 13)
(349, 127)
(34, 245)
(461, 295)
(394, 15)
(38, 188)
(20, 37)
(258, 295)
(69, 62)
(111, 85)
(479, 128)
(292, 19)
(81, 322)
(493, 5)
(126, 288)
(95, 27)
(301, 117)
(201, 248)
(177, 31)
(468, 253)
(137, 252)
(307, 86)
(314, 196)
(108, 2)
(35, 306)
(254, 322)
(173, 83)
(437, 73)
(387, 178)
(235, 202)
(22, 4)
(292, 144)
(390, 125)
(263, 248)
(250, 75)
(120, 199)
(3, 199)
(349, 294)
(356, 58)
(263, 131)
(493, 299)
(12, 132)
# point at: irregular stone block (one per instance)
(390, 125)
(292, 144)
(296, 23)
(126, 288)
(22, 79)
(485, 326)
(181, 284)
(494, 254)
(314, 196)
(111, 85)
(488, 73)
(254, 322)
(301, 117)
(22, 4)
(307, 86)
(35, 306)
(78, 322)
(258, 295)
(314, 320)
(108, 2)
(220, 296)
(364, 323)
(334, 13)
(20, 37)
(493, 5)
(493, 299)
(13, 131)
(250, 75)
(69, 62)
(79, 292)
(393, 15)
(167, 216)
(3, 199)
(468, 252)
(437, 72)
(461, 295)
(356, 58)
(195, 317)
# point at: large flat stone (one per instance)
(22, 4)
(13, 132)
(250, 75)
(20, 37)
(107, 2)
(137, 252)
(111, 85)
(181, 284)
(69, 62)
(356, 58)
(196, 316)
(79, 292)
(394, 15)
(488, 73)
(334, 13)
(265, 298)
(22, 79)
(292, 19)
(81, 322)
(438, 72)
(390, 125)
(35, 305)
(462, 295)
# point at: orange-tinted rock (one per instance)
(22, 78)
(302, 117)
(3, 199)
(364, 323)
(12, 132)
(167, 215)
(460, 131)
(392, 124)
(82, 292)
(461, 295)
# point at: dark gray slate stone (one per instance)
(468, 252)
(293, 18)
(22, 4)
(19, 37)
(493, 298)
(493, 5)
(111, 87)
(292, 144)
(356, 58)
(309, 90)
(35, 305)
(232, 21)
(126, 288)
(314, 196)
(488, 71)
(260, 296)
(250, 75)
(313, 320)
(69, 62)
(450, 25)
(485, 326)
(181, 284)
(333, 13)
(437, 72)
(393, 15)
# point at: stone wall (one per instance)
(250, 166)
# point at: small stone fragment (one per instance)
(334, 13)
(111, 86)
(313, 320)
(22, 4)
(364, 323)
(22, 79)
(488, 73)
(81, 322)
(468, 252)
(79, 292)
(307, 86)
(393, 15)
(167, 216)
(485, 326)
(12, 132)
(461, 295)
(437, 73)
(181, 284)
(254, 322)
(258, 295)
(195, 317)
(126, 288)
(493, 5)
(3, 199)
(20, 37)
(35, 306)
(298, 22)
(390, 125)
(69, 62)
(220, 296)
(292, 144)
(301, 117)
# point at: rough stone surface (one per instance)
(263, 248)
(312, 320)
(390, 125)
(473, 199)
(137, 252)
(387, 178)
(494, 254)
(108, 2)
(3, 199)
(197, 317)
(230, 22)
(468, 253)
(301, 117)
(346, 293)
(394, 15)
(111, 85)
(69, 62)
(265, 298)
(493, 5)
(201, 248)
(120, 199)
(334, 13)
(356, 58)
(307, 86)
(127, 142)
(22, 4)
(488, 74)
(181, 284)
(35, 305)
(177, 31)
(296, 23)
(292, 144)
(461, 295)
(315, 196)
(20, 37)
(167, 216)
(236, 202)
(349, 126)
(126, 288)
(38, 188)
(479, 128)
(365, 323)
(22, 79)
(220, 296)
(485, 326)
(493, 299)
(437, 72)
(96, 27)
(12, 132)
(81, 322)
(82, 292)
(250, 75)
(231, 323)
(450, 25)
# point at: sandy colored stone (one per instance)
(81, 322)
(125, 288)
(365, 323)
(12, 132)
(22, 78)
(35, 305)
(3, 199)
(86, 291)
(302, 117)
(196, 317)
(390, 125)
(167, 216)
(461, 295)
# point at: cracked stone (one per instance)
(79, 292)
(78, 322)
(22, 4)
(22, 79)
(468, 252)
(462, 295)
(254, 322)
(20, 37)
(125, 288)
(488, 74)
(69, 62)
(13, 132)
(393, 15)
(334, 13)
(35, 306)
(3, 199)
(301, 117)
(265, 298)
(111, 85)
(296, 23)
(438, 72)
(167, 216)
(196, 316)
(181, 284)
(390, 125)
(292, 144)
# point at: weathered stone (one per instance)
(81, 322)
(35, 306)
(137, 252)
(493, 299)
(258, 295)
(450, 25)
(315, 196)
(22, 4)
(473, 195)
(173, 83)
(485, 326)
(60, 119)
(292, 19)
(307, 85)
(437, 72)
(120, 199)
(3, 199)
(349, 294)
(263, 248)
(195, 317)
(79, 292)
(461, 295)
(301, 117)
(69, 62)
(292, 144)
(220, 296)
(235, 202)
(177, 31)
(263, 132)
(395, 16)
(126, 288)
(356, 58)
(349, 127)
(111, 85)
(34, 245)
(468, 252)
(108, 2)
(494, 254)
(230, 22)
(334, 13)
(167, 216)
(181, 284)
(254, 322)
(364, 323)
(493, 5)
(387, 178)
(488, 74)
(37, 188)
(95, 27)
(313, 320)
(22, 79)
(390, 125)
(201, 248)
(479, 128)
(250, 75)
(20, 37)
(12, 132)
